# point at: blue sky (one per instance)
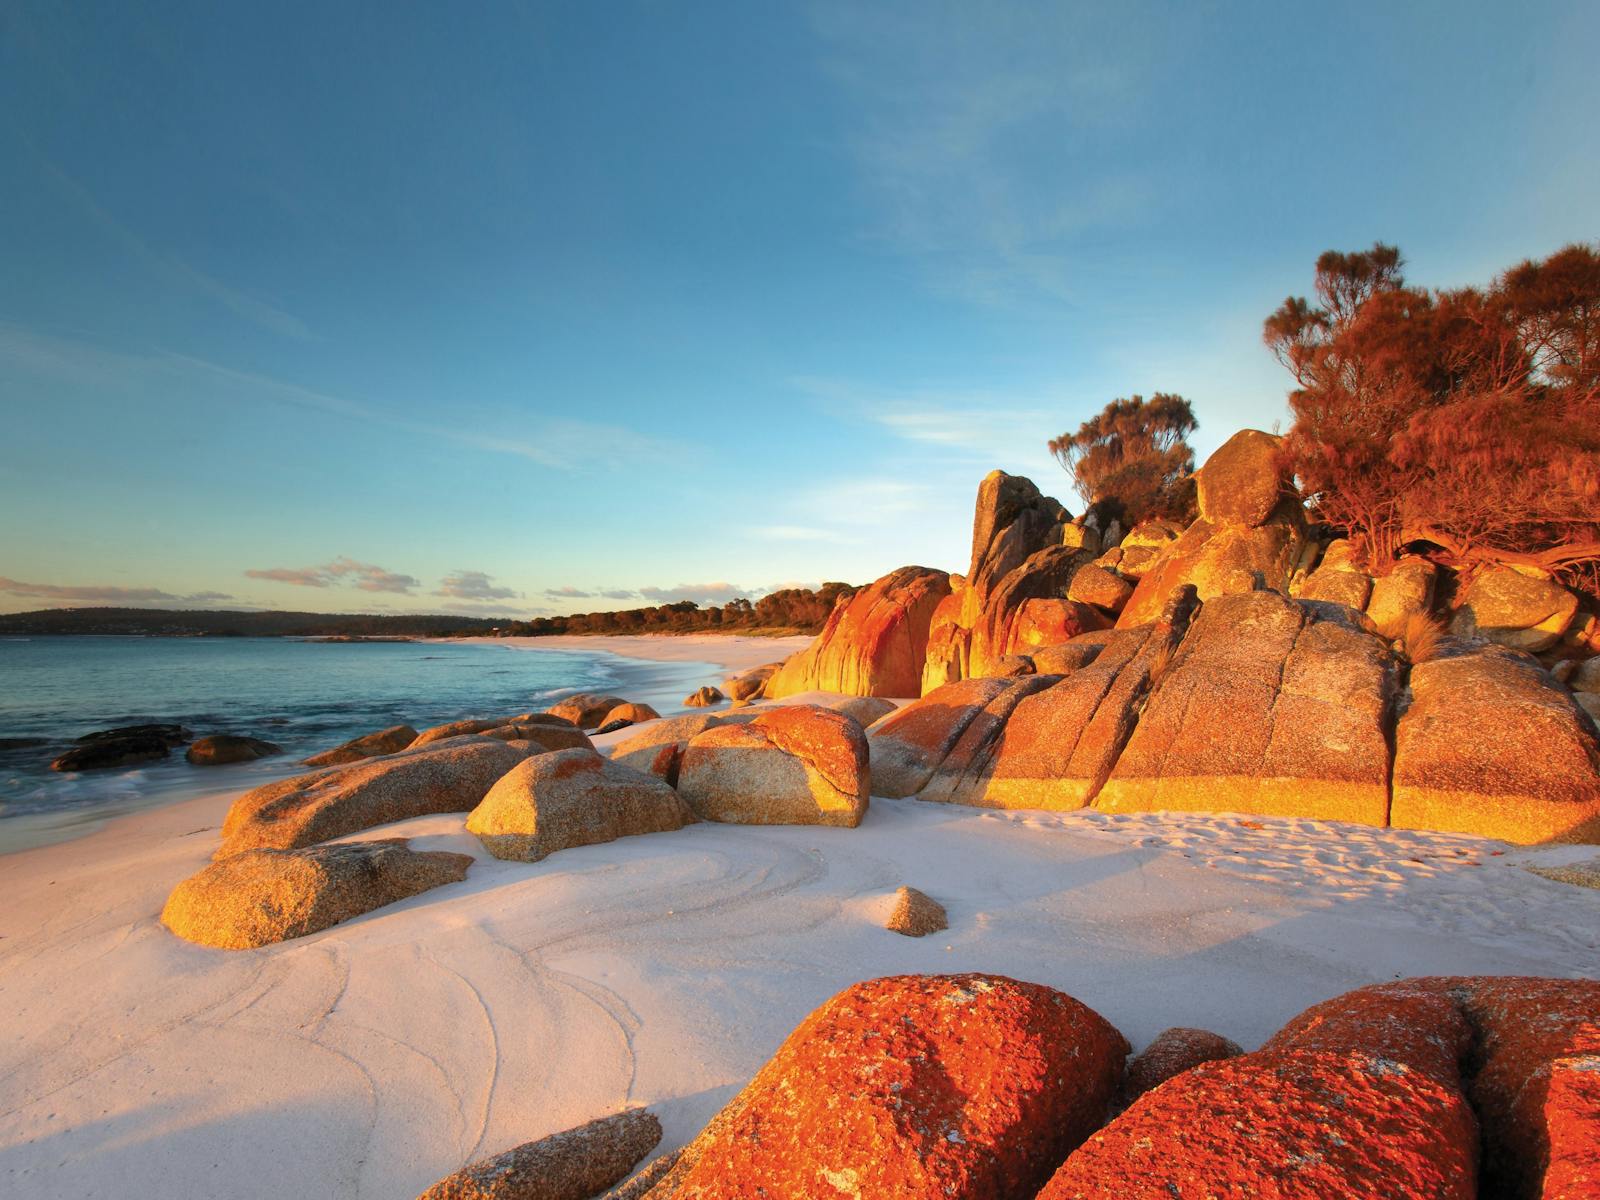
(511, 308)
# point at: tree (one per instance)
(1133, 461)
(1465, 419)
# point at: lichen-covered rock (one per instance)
(1072, 655)
(1415, 1022)
(1093, 584)
(1173, 1052)
(658, 747)
(571, 798)
(371, 745)
(448, 776)
(1239, 543)
(873, 644)
(953, 775)
(960, 1086)
(788, 765)
(573, 1165)
(1012, 522)
(916, 914)
(1271, 706)
(586, 710)
(910, 744)
(865, 710)
(704, 697)
(1337, 579)
(1307, 1125)
(222, 749)
(1522, 609)
(258, 897)
(1491, 745)
(455, 729)
(1010, 667)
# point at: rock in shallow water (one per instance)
(574, 1165)
(265, 896)
(221, 749)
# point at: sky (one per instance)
(531, 308)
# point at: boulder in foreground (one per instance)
(789, 765)
(964, 1087)
(265, 896)
(371, 745)
(221, 749)
(571, 798)
(574, 1165)
(449, 776)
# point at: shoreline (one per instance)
(729, 652)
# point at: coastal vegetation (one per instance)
(1132, 461)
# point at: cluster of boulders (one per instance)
(131, 745)
(532, 784)
(1242, 663)
(974, 1087)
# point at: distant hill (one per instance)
(167, 622)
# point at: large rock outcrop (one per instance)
(258, 897)
(790, 765)
(1492, 745)
(873, 644)
(449, 776)
(968, 1087)
(1270, 705)
(571, 798)
(1012, 522)
(1239, 542)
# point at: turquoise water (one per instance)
(305, 696)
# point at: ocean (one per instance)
(305, 696)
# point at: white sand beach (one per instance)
(731, 653)
(373, 1058)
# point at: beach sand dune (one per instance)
(373, 1058)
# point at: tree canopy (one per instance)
(1468, 418)
(1132, 461)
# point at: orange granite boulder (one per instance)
(1239, 542)
(259, 897)
(1491, 745)
(964, 1087)
(571, 798)
(1173, 1052)
(873, 644)
(585, 709)
(789, 765)
(573, 1165)
(372, 745)
(450, 776)
(1271, 706)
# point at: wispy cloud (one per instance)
(700, 593)
(473, 585)
(559, 443)
(169, 266)
(981, 135)
(104, 594)
(366, 577)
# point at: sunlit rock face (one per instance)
(1249, 535)
(1018, 556)
(873, 644)
(963, 1086)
